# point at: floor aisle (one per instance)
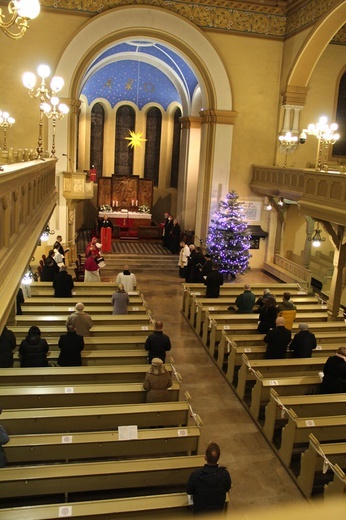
(259, 480)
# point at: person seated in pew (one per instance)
(4, 438)
(303, 343)
(63, 284)
(157, 382)
(267, 316)
(334, 373)
(208, 485)
(286, 304)
(120, 300)
(71, 346)
(277, 340)
(7, 346)
(262, 299)
(245, 301)
(81, 320)
(33, 349)
(127, 278)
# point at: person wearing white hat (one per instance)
(157, 382)
(81, 320)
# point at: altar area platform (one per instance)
(132, 225)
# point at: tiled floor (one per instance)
(259, 479)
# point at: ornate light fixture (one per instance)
(6, 121)
(316, 238)
(135, 139)
(43, 93)
(20, 11)
(325, 135)
(281, 202)
(54, 111)
(45, 234)
(268, 204)
(28, 277)
(288, 144)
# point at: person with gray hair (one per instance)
(127, 278)
(245, 301)
(120, 300)
(81, 320)
(262, 299)
(277, 340)
(303, 343)
(71, 346)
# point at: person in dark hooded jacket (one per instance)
(209, 485)
(33, 349)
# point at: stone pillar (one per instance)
(296, 118)
(286, 127)
(280, 213)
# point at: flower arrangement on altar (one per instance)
(144, 209)
(105, 207)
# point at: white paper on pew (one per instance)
(128, 432)
(195, 294)
(211, 308)
(273, 382)
(182, 433)
(132, 293)
(190, 500)
(135, 308)
(65, 511)
(319, 347)
(323, 307)
(145, 327)
(74, 294)
(325, 467)
(69, 390)
(302, 292)
(310, 422)
(67, 439)
(226, 327)
(71, 309)
(247, 349)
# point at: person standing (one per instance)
(167, 232)
(58, 245)
(33, 349)
(7, 346)
(175, 237)
(209, 485)
(277, 340)
(157, 343)
(157, 382)
(183, 259)
(106, 231)
(334, 378)
(207, 267)
(91, 268)
(93, 246)
(303, 343)
(213, 281)
(127, 278)
(245, 301)
(267, 316)
(71, 346)
(19, 301)
(63, 284)
(49, 270)
(120, 300)
(4, 438)
(81, 320)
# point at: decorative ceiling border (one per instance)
(220, 15)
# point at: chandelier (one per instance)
(316, 238)
(20, 12)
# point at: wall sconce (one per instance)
(325, 135)
(268, 204)
(54, 111)
(43, 93)
(45, 234)
(21, 12)
(28, 277)
(6, 121)
(281, 202)
(316, 238)
(288, 144)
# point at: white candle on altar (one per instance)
(136, 202)
(113, 203)
(116, 203)
(132, 202)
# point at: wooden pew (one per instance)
(93, 309)
(303, 406)
(103, 288)
(58, 479)
(297, 430)
(284, 386)
(99, 357)
(252, 339)
(313, 461)
(71, 376)
(53, 320)
(104, 342)
(272, 368)
(165, 505)
(52, 447)
(338, 485)
(97, 331)
(94, 299)
(64, 419)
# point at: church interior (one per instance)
(133, 109)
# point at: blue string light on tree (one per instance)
(229, 237)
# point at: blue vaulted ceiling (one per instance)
(142, 72)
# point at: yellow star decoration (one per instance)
(135, 139)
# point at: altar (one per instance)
(129, 219)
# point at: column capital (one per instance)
(294, 96)
(190, 122)
(73, 104)
(212, 116)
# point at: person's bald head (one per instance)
(158, 325)
(280, 321)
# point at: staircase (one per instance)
(139, 263)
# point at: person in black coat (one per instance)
(33, 349)
(71, 346)
(63, 284)
(209, 485)
(7, 346)
(303, 343)
(277, 340)
(197, 263)
(207, 267)
(267, 316)
(157, 343)
(175, 238)
(213, 281)
(49, 270)
(19, 300)
(334, 379)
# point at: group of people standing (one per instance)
(171, 233)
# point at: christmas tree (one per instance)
(228, 240)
